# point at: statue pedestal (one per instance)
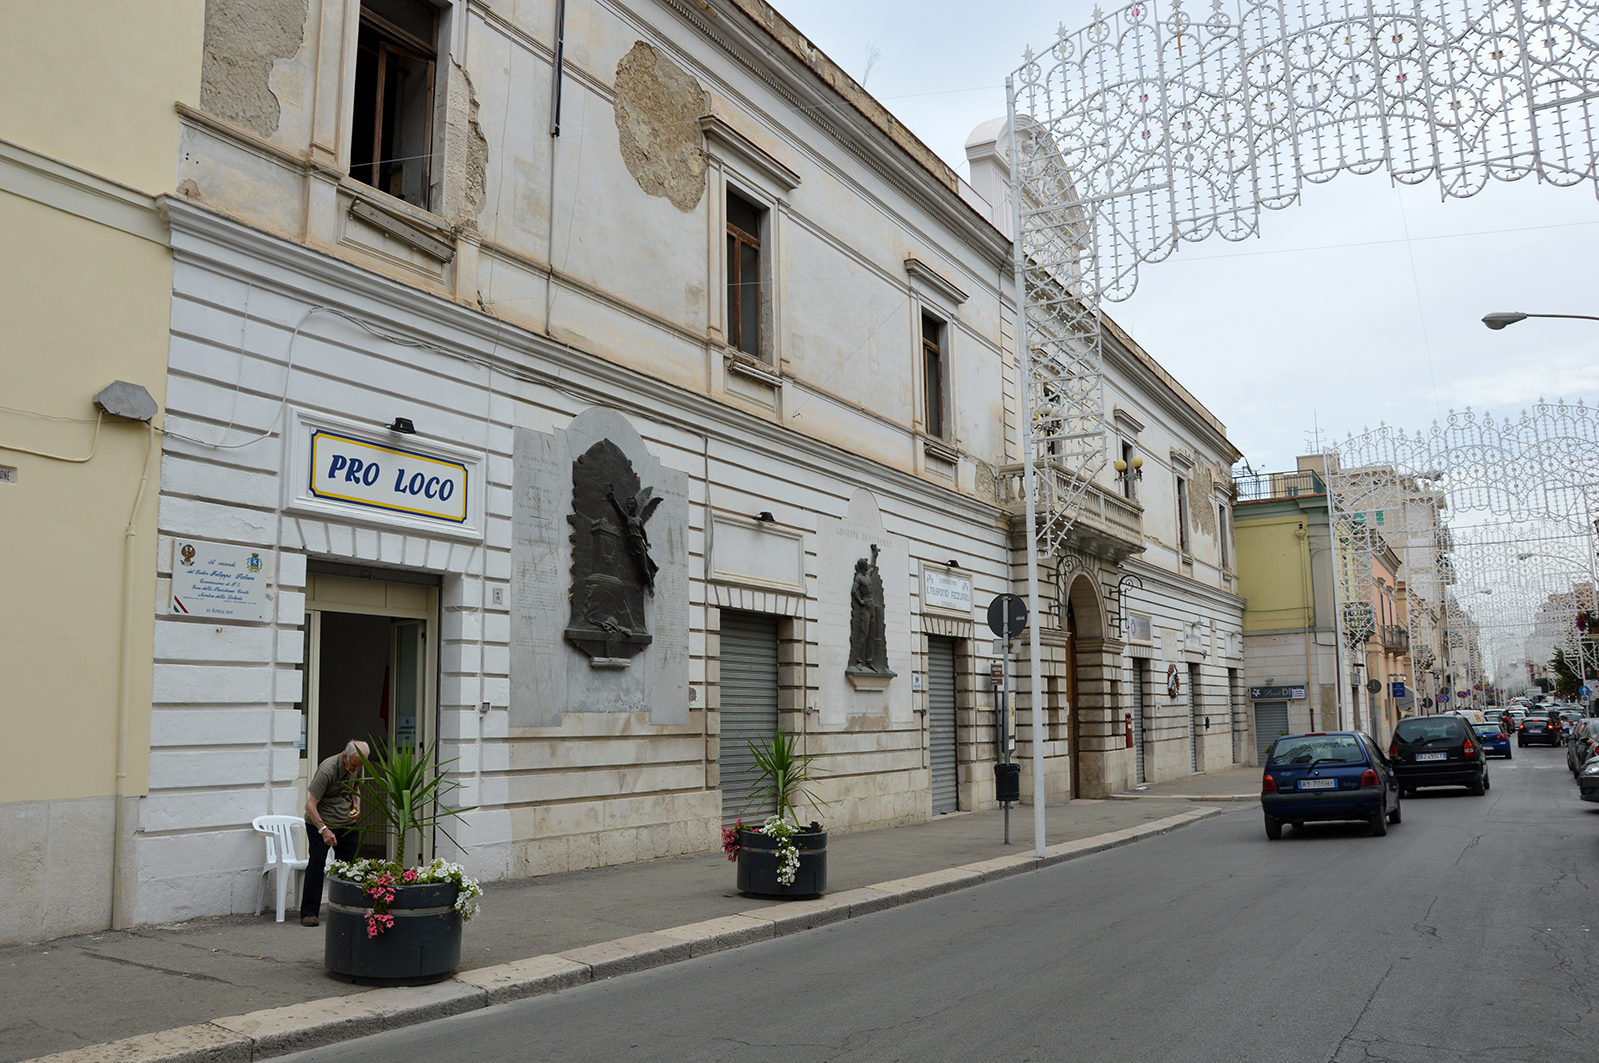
(861, 679)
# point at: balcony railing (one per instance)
(1105, 522)
(1269, 486)
(1395, 639)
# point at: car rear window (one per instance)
(1311, 749)
(1486, 728)
(1428, 728)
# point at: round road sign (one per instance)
(1007, 615)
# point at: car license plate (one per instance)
(1318, 784)
(1432, 756)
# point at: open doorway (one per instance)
(371, 667)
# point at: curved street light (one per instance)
(1500, 320)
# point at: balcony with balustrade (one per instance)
(1104, 522)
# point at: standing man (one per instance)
(331, 809)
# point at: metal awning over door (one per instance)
(941, 724)
(749, 709)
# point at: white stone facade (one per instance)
(552, 289)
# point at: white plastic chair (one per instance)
(285, 839)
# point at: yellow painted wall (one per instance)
(85, 306)
(1273, 567)
(82, 303)
(93, 82)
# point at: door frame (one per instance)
(370, 597)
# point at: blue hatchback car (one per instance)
(1328, 775)
(1495, 742)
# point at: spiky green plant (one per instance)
(403, 791)
(785, 775)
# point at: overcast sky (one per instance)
(1361, 305)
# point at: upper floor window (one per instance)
(1223, 528)
(1182, 515)
(391, 141)
(934, 422)
(744, 274)
(1129, 475)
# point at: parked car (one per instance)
(1540, 726)
(1326, 776)
(1495, 740)
(1438, 751)
(1588, 780)
(1582, 744)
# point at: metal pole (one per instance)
(1004, 713)
(1029, 476)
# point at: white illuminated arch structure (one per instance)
(1146, 130)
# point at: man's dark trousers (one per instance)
(316, 856)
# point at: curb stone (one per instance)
(277, 1031)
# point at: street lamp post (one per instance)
(1500, 320)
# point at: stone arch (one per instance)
(1087, 681)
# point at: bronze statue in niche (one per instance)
(868, 635)
(612, 570)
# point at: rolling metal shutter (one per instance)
(1271, 723)
(941, 724)
(1140, 697)
(749, 709)
(1193, 717)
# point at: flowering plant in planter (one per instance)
(378, 878)
(785, 775)
(402, 791)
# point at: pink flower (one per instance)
(410, 875)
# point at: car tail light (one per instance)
(1267, 783)
(1393, 748)
(1469, 749)
(1368, 777)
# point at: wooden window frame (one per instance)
(392, 40)
(1183, 503)
(935, 376)
(737, 286)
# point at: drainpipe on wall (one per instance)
(120, 894)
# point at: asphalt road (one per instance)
(1463, 935)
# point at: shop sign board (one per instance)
(1276, 693)
(210, 579)
(345, 468)
(943, 591)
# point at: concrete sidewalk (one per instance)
(247, 987)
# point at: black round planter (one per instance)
(423, 945)
(758, 863)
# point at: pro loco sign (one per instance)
(347, 469)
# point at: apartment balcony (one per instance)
(1271, 486)
(1395, 639)
(1105, 522)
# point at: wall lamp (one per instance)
(403, 425)
(1500, 320)
(765, 517)
(1136, 465)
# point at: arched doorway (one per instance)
(1085, 688)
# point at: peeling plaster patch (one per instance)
(658, 108)
(243, 38)
(467, 151)
(1203, 517)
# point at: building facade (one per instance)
(585, 401)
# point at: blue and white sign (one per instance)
(942, 591)
(1399, 688)
(347, 469)
(1584, 691)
